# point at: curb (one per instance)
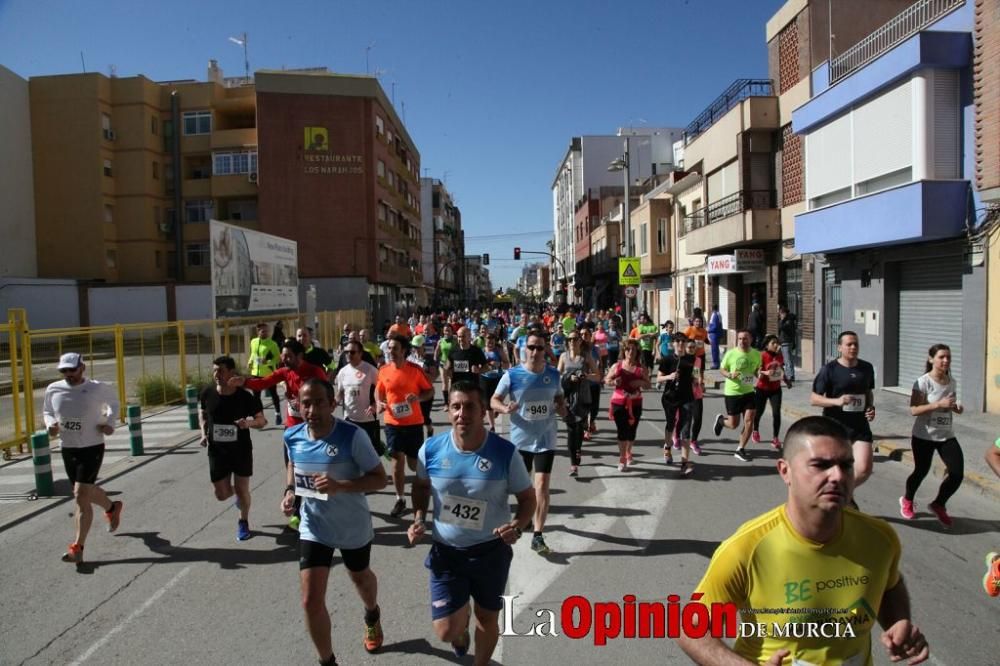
(984, 485)
(29, 509)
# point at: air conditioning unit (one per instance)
(252, 177)
(165, 227)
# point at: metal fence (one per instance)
(733, 204)
(907, 23)
(148, 364)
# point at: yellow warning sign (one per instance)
(628, 272)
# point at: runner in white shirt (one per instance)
(81, 412)
(355, 386)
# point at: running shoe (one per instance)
(677, 443)
(776, 444)
(538, 545)
(114, 515)
(991, 581)
(461, 646)
(755, 436)
(621, 467)
(941, 514)
(687, 468)
(242, 530)
(573, 470)
(398, 508)
(717, 428)
(277, 418)
(695, 448)
(668, 457)
(629, 460)
(294, 522)
(586, 436)
(741, 454)
(74, 554)
(906, 508)
(373, 636)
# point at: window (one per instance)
(111, 258)
(380, 169)
(156, 170)
(109, 214)
(661, 235)
(197, 122)
(382, 212)
(379, 126)
(643, 239)
(158, 259)
(243, 210)
(230, 163)
(197, 254)
(107, 168)
(198, 210)
(388, 136)
(106, 131)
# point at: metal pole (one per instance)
(191, 395)
(134, 417)
(42, 459)
(626, 216)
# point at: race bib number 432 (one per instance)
(463, 512)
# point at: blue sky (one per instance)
(492, 92)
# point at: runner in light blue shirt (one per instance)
(535, 398)
(332, 464)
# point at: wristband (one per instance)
(518, 531)
(289, 488)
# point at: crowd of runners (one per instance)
(506, 380)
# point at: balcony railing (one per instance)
(907, 23)
(740, 90)
(727, 207)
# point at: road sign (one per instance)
(628, 272)
(630, 292)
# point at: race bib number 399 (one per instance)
(305, 486)
(224, 433)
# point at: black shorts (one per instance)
(312, 554)
(541, 461)
(404, 439)
(626, 430)
(374, 433)
(647, 358)
(737, 404)
(859, 431)
(226, 459)
(83, 464)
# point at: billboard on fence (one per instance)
(252, 273)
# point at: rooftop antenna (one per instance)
(367, 51)
(242, 41)
(83, 62)
(112, 71)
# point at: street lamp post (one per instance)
(622, 164)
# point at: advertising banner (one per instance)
(252, 272)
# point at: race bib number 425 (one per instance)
(74, 425)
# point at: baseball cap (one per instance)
(70, 361)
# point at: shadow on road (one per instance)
(226, 558)
(630, 546)
(421, 646)
(927, 522)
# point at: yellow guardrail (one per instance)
(149, 364)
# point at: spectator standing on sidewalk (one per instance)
(715, 333)
(787, 335)
(933, 402)
(756, 326)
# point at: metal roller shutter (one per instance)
(930, 311)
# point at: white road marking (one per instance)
(132, 616)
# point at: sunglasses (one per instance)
(66, 371)
(535, 347)
(352, 352)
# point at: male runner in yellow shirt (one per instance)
(811, 562)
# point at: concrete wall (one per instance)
(193, 301)
(49, 303)
(126, 305)
(17, 203)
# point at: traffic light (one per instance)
(486, 259)
(517, 253)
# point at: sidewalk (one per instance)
(161, 434)
(892, 427)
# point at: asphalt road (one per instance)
(173, 586)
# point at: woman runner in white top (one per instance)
(933, 401)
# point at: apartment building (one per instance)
(134, 169)
(890, 205)
(17, 224)
(444, 246)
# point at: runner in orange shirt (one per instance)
(401, 387)
(401, 328)
(699, 334)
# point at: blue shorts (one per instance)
(478, 571)
(404, 439)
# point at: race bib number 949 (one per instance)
(536, 411)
